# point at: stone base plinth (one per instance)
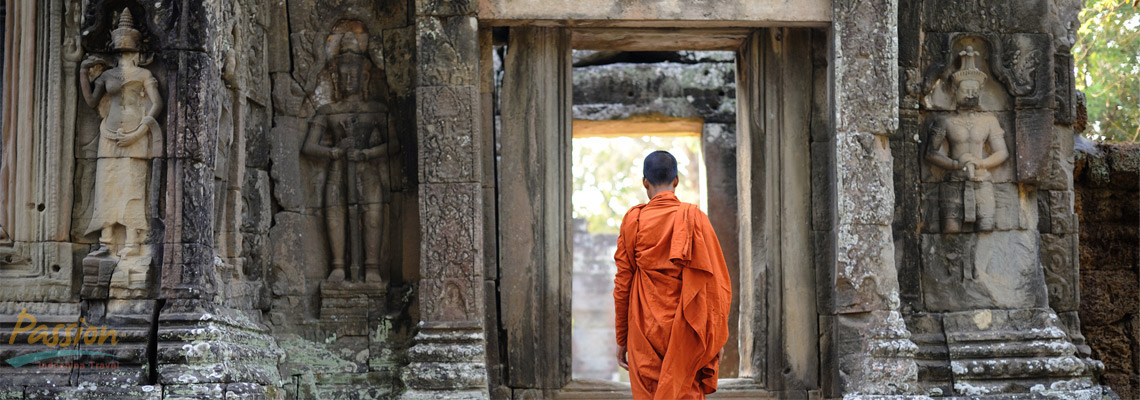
(346, 307)
(448, 362)
(1014, 352)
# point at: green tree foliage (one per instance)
(607, 176)
(1107, 55)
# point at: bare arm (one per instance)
(155, 97)
(92, 98)
(313, 147)
(934, 154)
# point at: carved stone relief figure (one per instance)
(350, 133)
(968, 144)
(127, 98)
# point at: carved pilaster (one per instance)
(448, 357)
(870, 343)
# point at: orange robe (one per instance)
(671, 295)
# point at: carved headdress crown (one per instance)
(125, 37)
(969, 71)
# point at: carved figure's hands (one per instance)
(357, 155)
(133, 137)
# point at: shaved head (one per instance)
(659, 168)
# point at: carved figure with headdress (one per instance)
(968, 143)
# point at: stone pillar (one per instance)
(448, 357)
(990, 260)
(864, 337)
(202, 348)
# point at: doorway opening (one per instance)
(626, 105)
(763, 135)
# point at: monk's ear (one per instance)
(645, 182)
(676, 181)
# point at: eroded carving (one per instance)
(351, 134)
(1022, 66)
(968, 144)
(449, 240)
(127, 98)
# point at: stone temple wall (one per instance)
(987, 236)
(196, 174)
(1108, 204)
(297, 199)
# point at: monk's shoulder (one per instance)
(632, 214)
(696, 211)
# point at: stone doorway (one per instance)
(625, 105)
(780, 91)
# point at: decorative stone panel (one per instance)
(449, 129)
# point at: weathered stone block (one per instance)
(300, 253)
(189, 202)
(1059, 259)
(865, 275)
(46, 272)
(866, 28)
(298, 181)
(1109, 246)
(448, 51)
(1066, 95)
(1112, 345)
(871, 353)
(320, 15)
(909, 25)
(257, 126)
(982, 270)
(193, 105)
(257, 202)
(452, 232)
(277, 35)
(866, 95)
(444, 7)
(1059, 173)
(1007, 212)
(1108, 296)
(865, 191)
(1026, 69)
(987, 16)
(448, 125)
(1061, 216)
(398, 62)
(1033, 136)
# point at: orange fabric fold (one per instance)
(671, 297)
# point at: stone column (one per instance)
(202, 347)
(864, 337)
(448, 357)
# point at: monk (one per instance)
(671, 292)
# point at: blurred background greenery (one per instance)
(1107, 58)
(607, 175)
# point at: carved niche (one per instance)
(979, 125)
(127, 98)
(349, 133)
(966, 145)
